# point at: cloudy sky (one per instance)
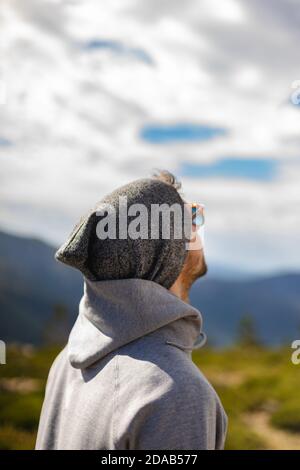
(95, 94)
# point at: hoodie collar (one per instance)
(114, 313)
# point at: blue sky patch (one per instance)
(246, 168)
(118, 48)
(180, 132)
(4, 142)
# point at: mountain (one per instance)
(273, 303)
(32, 284)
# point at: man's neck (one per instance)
(180, 290)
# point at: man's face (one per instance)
(195, 265)
(193, 268)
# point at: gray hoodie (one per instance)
(126, 380)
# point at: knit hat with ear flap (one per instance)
(159, 260)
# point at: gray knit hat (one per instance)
(159, 260)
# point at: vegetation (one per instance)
(247, 332)
(259, 389)
(288, 416)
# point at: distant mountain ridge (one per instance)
(32, 283)
(273, 303)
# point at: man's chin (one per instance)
(201, 267)
(203, 270)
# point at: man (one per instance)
(126, 380)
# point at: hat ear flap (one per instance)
(75, 251)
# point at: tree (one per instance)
(247, 332)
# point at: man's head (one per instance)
(99, 248)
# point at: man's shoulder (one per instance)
(166, 369)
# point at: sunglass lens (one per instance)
(198, 219)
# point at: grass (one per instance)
(12, 438)
(288, 416)
(22, 384)
(251, 382)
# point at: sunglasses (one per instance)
(198, 218)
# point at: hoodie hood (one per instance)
(151, 256)
(115, 313)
